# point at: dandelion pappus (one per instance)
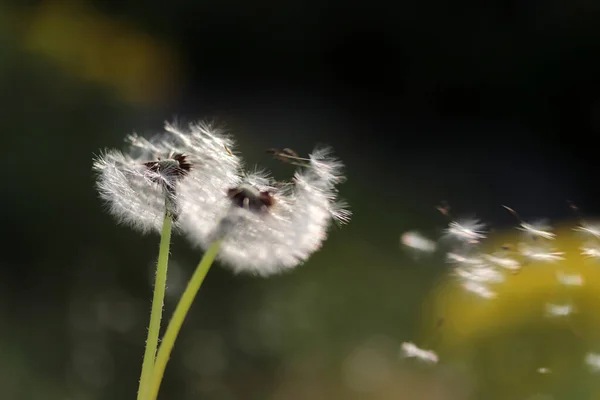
(288, 156)
(534, 231)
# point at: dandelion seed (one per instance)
(559, 310)
(535, 230)
(267, 227)
(483, 274)
(590, 251)
(504, 262)
(479, 289)
(540, 253)
(137, 194)
(416, 241)
(592, 230)
(410, 350)
(569, 280)
(470, 231)
(544, 370)
(456, 258)
(593, 361)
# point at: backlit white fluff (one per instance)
(274, 238)
(138, 196)
(133, 198)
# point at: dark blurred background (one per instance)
(476, 103)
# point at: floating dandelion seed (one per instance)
(569, 279)
(410, 350)
(455, 258)
(593, 361)
(417, 241)
(480, 274)
(590, 251)
(544, 370)
(540, 253)
(535, 230)
(592, 230)
(470, 231)
(266, 227)
(504, 262)
(559, 310)
(479, 289)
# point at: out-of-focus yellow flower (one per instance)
(102, 49)
(526, 295)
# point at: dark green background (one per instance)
(478, 104)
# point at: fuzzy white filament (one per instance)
(140, 185)
(540, 253)
(410, 350)
(504, 262)
(470, 231)
(267, 227)
(131, 191)
(590, 251)
(588, 229)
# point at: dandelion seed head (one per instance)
(140, 185)
(268, 227)
(130, 191)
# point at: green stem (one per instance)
(168, 341)
(157, 305)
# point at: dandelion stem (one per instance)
(164, 352)
(160, 284)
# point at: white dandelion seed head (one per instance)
(131, 190)
(267, 227)
(459, 259)
(410, 350)
(141, 185)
